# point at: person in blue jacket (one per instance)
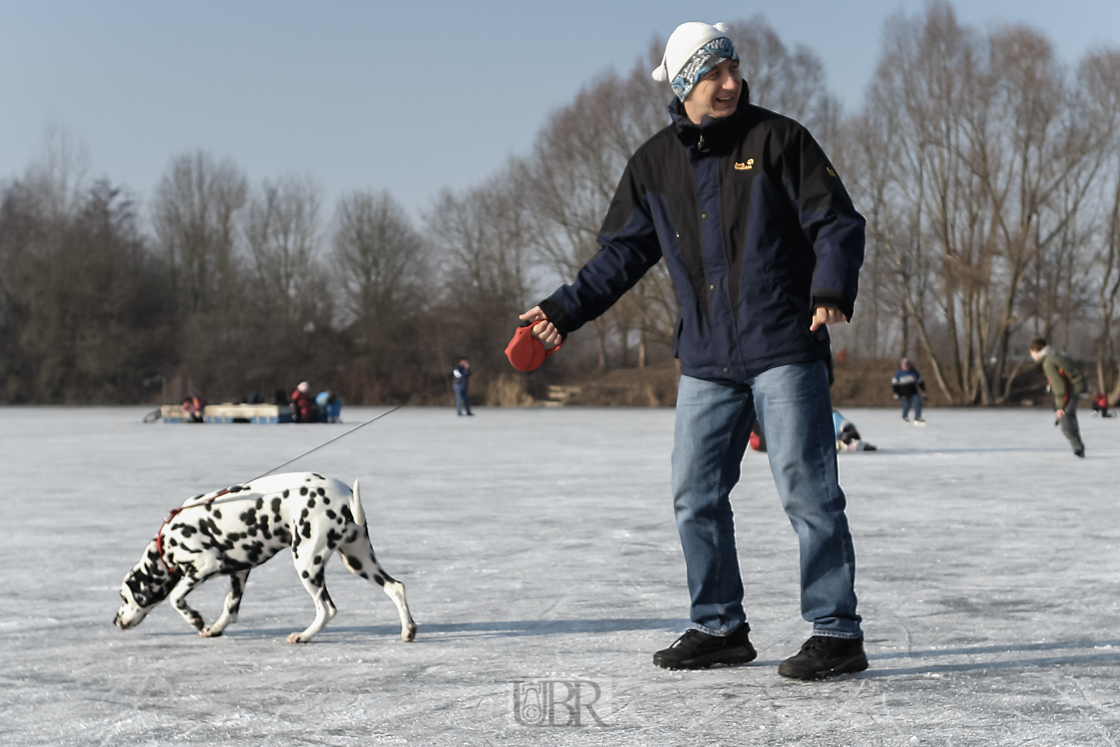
(462, 379)
(764, 248)
(908, 386)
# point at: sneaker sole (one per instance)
(857, 663)
(706, 662)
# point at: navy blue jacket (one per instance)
(907, 383)
(756, 227)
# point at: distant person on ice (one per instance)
(1100, 405)
(848, 437)
(462, 375)
(909, 387)
(303, 407)
(1067, 384)
(764, 248)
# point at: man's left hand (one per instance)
(826, 315)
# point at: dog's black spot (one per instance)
(248, 517)
(345, 511)
(305, 574)
(303, 490)
(185, 530)
(229, 565)
(355, 564)
(311, 503)
(317, 559)
(321, 492)
(259, 504)
(331, 514)
(253, 551)
(379, 580)
(333, 538)
(236, 489)
(286, 492)
(305, 530)
(218, 514)
(326, 501)
(353, 536)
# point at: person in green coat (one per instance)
(1067, 384)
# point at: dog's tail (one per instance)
(356, 507)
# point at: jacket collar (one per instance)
(715, 132)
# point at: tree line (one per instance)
(988, 172)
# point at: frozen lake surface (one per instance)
(542, 565)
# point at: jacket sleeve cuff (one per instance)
(557, 316)
(834, 300)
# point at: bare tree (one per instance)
(481, 237)
(380, 258)
(194, 215)
(994, 163)
(1099, 76)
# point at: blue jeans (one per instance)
(462, 402)
(916, 401)
(713, 425)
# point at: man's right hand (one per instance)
(549, 336)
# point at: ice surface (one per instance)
(538, 548)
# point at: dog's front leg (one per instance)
(179, 602)
(233, 604)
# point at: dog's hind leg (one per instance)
(358, 557)
(233, 604)
(310, 561)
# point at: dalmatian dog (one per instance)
(234, 530)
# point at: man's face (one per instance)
(905, 364)
(717, 93)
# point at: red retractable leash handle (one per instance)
(525, 351)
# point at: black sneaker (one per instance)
(822, 657)
(698, 650)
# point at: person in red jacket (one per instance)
(303, 407)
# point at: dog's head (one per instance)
(145, 586)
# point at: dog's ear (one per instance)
(148, 591)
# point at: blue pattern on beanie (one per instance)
(701, 63)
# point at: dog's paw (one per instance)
(210, 632)
(408, 634)
(297, 638)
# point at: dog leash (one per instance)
(241, 486)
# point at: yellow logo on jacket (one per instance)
(740, 166)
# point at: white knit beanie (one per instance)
(693, 49)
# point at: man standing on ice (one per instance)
(1067, 384)
(764, 248)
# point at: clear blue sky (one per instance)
(408, 97)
